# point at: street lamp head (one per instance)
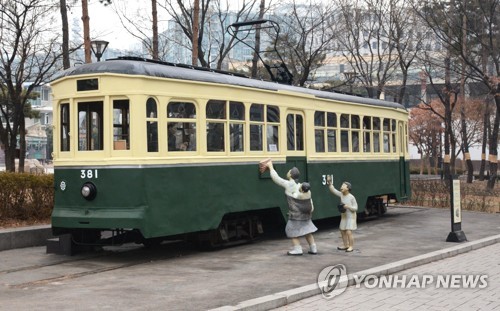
(98, 48)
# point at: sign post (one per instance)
(456, 234)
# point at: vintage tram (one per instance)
(149, 150)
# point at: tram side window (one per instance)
(216, 119)
(367, 130)
(331, 123)
(90, 126)
(325, 131)
(121, 121)
(236, 126)
(152, 125)
(405, 137)
(344, 133)
(272, 122)
(393, 135)
(295, 132)
(65, 139)
(386, 135)
(256, 127)
(264, 123)
(376, 134)
(319, 131)
(355, 133)
(181, 126)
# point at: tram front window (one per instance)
(65, 142)
(121, 121)
(90, 126)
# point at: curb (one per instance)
(286, 297)
(24, 237)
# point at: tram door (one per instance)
(296, 151)
(402, 153)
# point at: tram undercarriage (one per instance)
(233, 230)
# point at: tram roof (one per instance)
(146, 67)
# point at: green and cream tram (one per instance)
(162, 150)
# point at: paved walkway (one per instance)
(483, 261)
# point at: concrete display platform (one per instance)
(257, 276)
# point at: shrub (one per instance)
(436, 193)
(26, 197)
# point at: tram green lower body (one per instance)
(177, 199)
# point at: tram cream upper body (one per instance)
(136, 90)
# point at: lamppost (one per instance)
(98, 47)
(350, 76)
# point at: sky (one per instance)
(105, 24)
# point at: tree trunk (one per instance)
(65, 34)
(155, 30)
(22, 144)
(10, 158)
(86, 31)
(465, 141)
(196, 23)
(494, 144)
(486, 126)
(422, 159)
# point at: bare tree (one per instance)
(481, 34)
(214, 44)
(305, 37)
(29, 56)
(144, 27)
(425, 133)
(366, 37)
(405, 40)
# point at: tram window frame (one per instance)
(367, 134)
(295, 131)
(393, 135)
(319, 131)
(376, 134)
(216, 125)
(91, 130)
(256, 127)
(121, 124)
(236, 126)
(152, 124)
(406, 137)
(386, 136)
(181, 126)
(272, 128)
(65, 138)
(264, 127)
(325, 132)
(355, 133)
(83, 85)
(344, 132)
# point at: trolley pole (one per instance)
(456, 234)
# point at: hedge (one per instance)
(26, 196)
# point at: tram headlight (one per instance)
(89, 191)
